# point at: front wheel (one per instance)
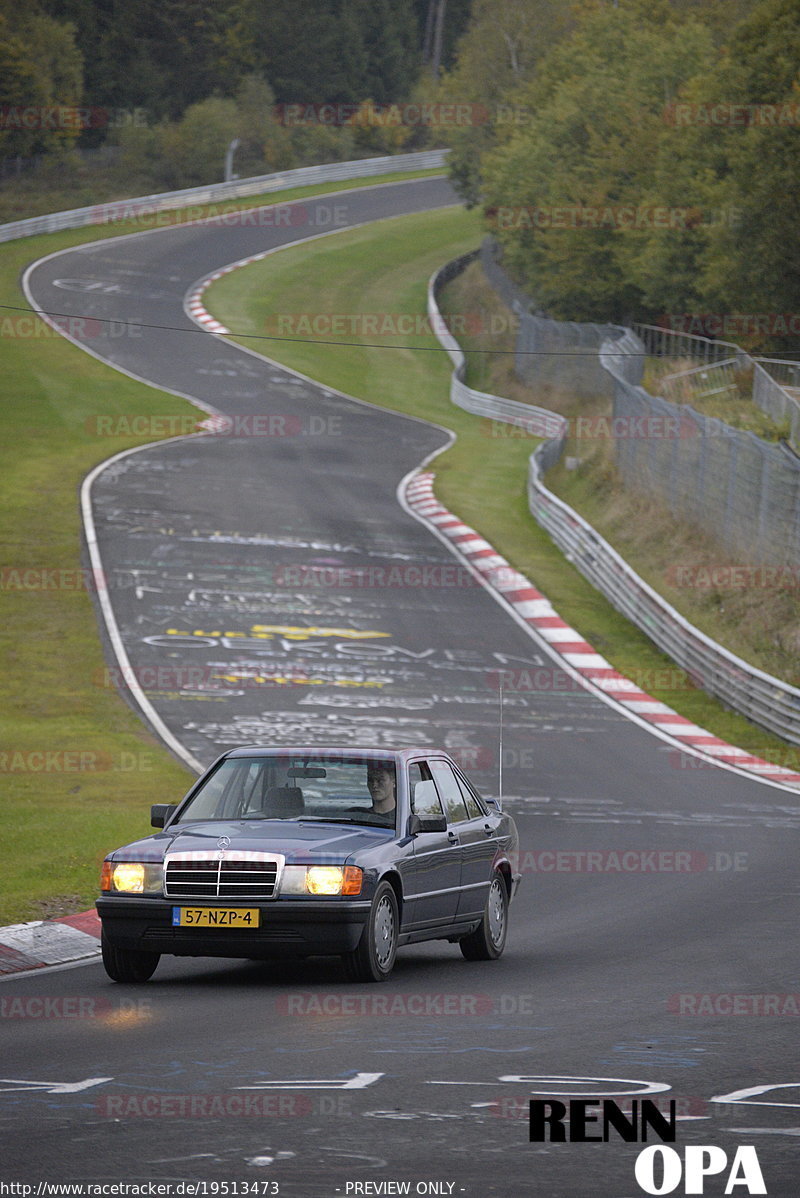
(372, 960)
(127, 964)
(488, 940)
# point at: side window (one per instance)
(474, 809)
(424, 799)
(450, 791)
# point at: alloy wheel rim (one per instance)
(384, 932)
(497, 913)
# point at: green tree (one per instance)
(40, 68)
(312, 51)
(389, 33)
(572, 192)
(161, 55)
(192, 150)
(265, 144)
(499, 51)
(456, 19)
(753, 260)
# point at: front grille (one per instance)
(240, 876)
(229, 935)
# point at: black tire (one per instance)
(372, 960)
(488, 940)
(127, 964)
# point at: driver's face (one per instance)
(380, 784)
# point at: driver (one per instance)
(382, 787)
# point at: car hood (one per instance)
(297, 841)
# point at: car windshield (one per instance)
(348, 790)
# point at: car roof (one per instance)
(316, 752)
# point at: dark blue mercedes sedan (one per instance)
(298, 852)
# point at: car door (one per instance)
(476, 833)
(437, 858)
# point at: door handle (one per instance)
(488, 829)
(453, 837)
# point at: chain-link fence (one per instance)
(773, 384)
(776, 390)
(743, 491)
(553, 354)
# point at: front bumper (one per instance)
(287, 928)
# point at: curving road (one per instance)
(263, 588)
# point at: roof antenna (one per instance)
(500, 771)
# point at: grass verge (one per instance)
(63, 812)
(482, 477)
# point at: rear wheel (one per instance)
(127, 964)
(372, 960)
(488, 940)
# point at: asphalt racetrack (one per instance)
(262, 586)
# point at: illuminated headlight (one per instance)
(131, 877)
(321, 879)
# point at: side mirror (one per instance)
(160, 813)
(414, 825)
(492, 802)
(427, 800)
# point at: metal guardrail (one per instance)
(742, 490)
(120, 210)
(760, 697)
(672, 343)
(774, 382)
(701, 382)
(539, 422)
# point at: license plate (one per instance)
(216, 917)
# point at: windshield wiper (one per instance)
(266, 815)
(323, 819)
